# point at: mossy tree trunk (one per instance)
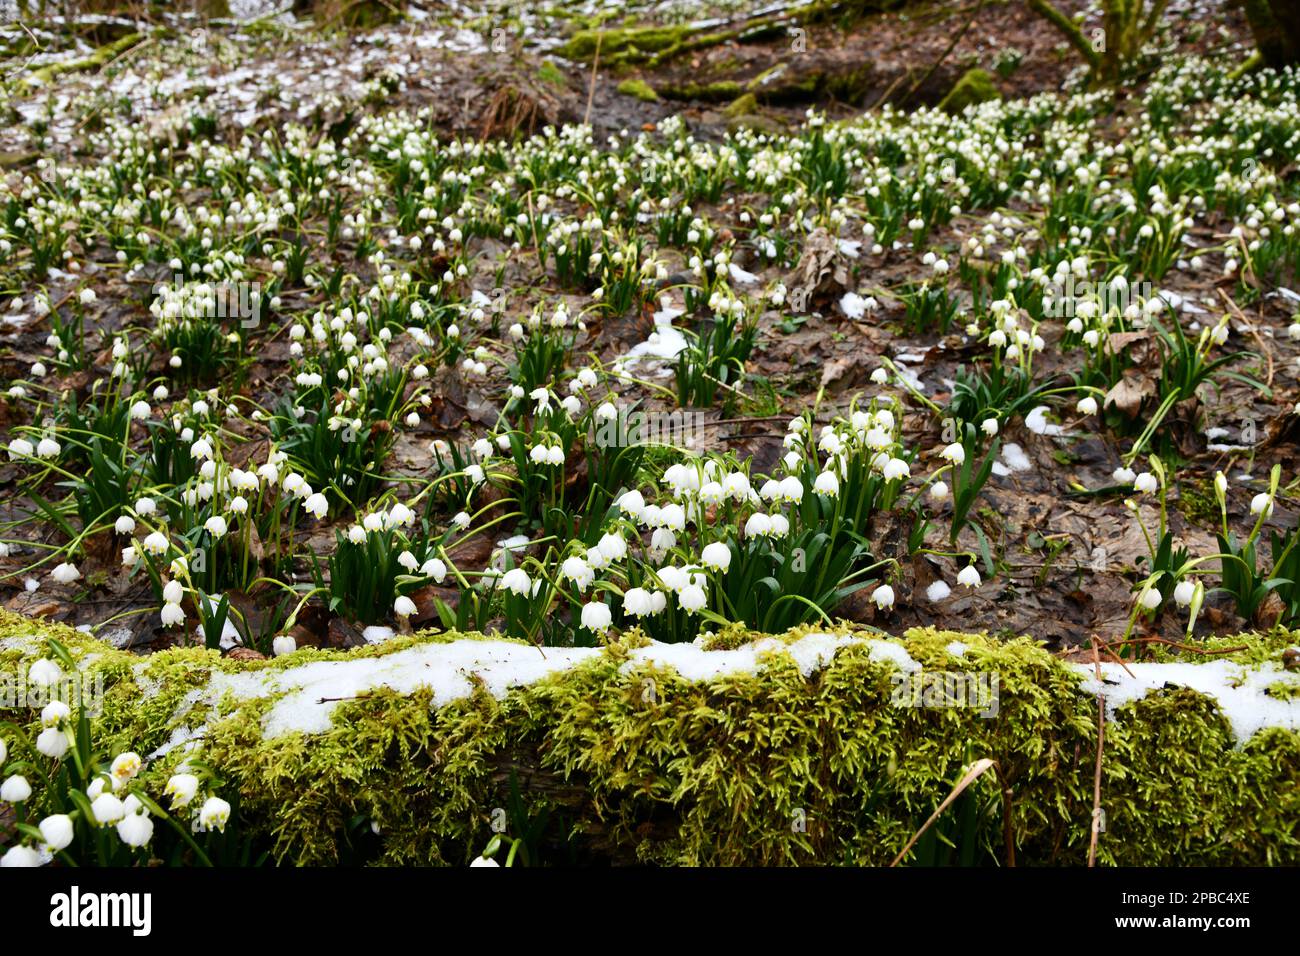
(1127, 25)
(1276, 26)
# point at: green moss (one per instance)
(974, 86)
(1284, 690)
(849, 85)
(727, 638)
(743, 105)
(548, 72)
(764, 30)
(802, 87)
(1197, 502)
(646, 766)
(640, 89)
(1249, 648)
(709, 92)
(743, 113)
(630, 45)
(759, 81)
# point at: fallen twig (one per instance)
(944, 55)
(1254, 332)
(1096, 782)
(1181, 647)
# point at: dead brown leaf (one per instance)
(1130, 392)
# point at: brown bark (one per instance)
(1276, 26)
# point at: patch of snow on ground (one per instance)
(740, 275)
(1036, 421)
(1015, 457)
(906, 375)
(377, 634)
(664, 342)
(856, 306)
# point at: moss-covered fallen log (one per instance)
(100, 57)
(848, 83)
(639, 44)
(656, 45)
(814, 747)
